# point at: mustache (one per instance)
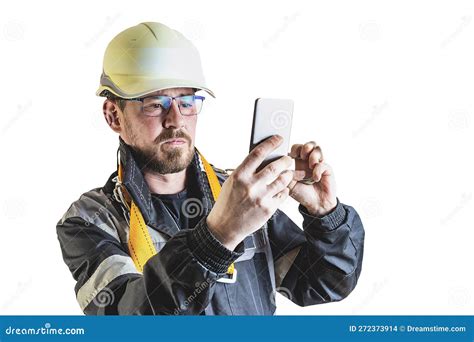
(172, 134)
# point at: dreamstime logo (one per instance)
(97, 214)
(104, 298)
(377, 110)
(21, 110)
(465, 21)
(459, 120)
(22, 286)
(460, 297)
(283, 291)
(198, 288)
(14, 208)
(108, 23)
(465, 199)
(287, 20)
(371, 294)
(192, 207)
(13, 31)
(369, 31)
(280, 119)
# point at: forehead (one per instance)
(172, 92)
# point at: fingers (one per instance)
(316, 156)
(295, 150)
(307, 156)
(299, 175)
(258, 154)
(306, 149)
(321, 169)
(303, 151)
(280, 197)
(290, 186)
(272, 170)
(279, 184)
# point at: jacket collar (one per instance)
(156, 216)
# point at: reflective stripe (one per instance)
(95, 208)
(283, 264)
(109, 269)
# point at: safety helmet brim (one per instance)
(132, 87)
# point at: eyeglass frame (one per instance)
(141, 99)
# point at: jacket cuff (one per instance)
(330, 221)
(209, 251)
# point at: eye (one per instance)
(154, 105)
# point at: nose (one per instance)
(173, 118)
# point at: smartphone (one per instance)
(271, 117)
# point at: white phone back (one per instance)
(272, 116)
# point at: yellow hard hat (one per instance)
(147, 58)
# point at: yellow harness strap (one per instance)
(139, 242)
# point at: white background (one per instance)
(384, 87)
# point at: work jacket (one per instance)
(318, 263)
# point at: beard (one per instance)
(162, 159)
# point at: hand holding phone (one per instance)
(272, 117)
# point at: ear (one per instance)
(111, 115)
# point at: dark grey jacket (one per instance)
(317, 264)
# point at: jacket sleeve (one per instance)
(322, 262)
(178, 280)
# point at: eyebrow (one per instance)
(180, 94)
